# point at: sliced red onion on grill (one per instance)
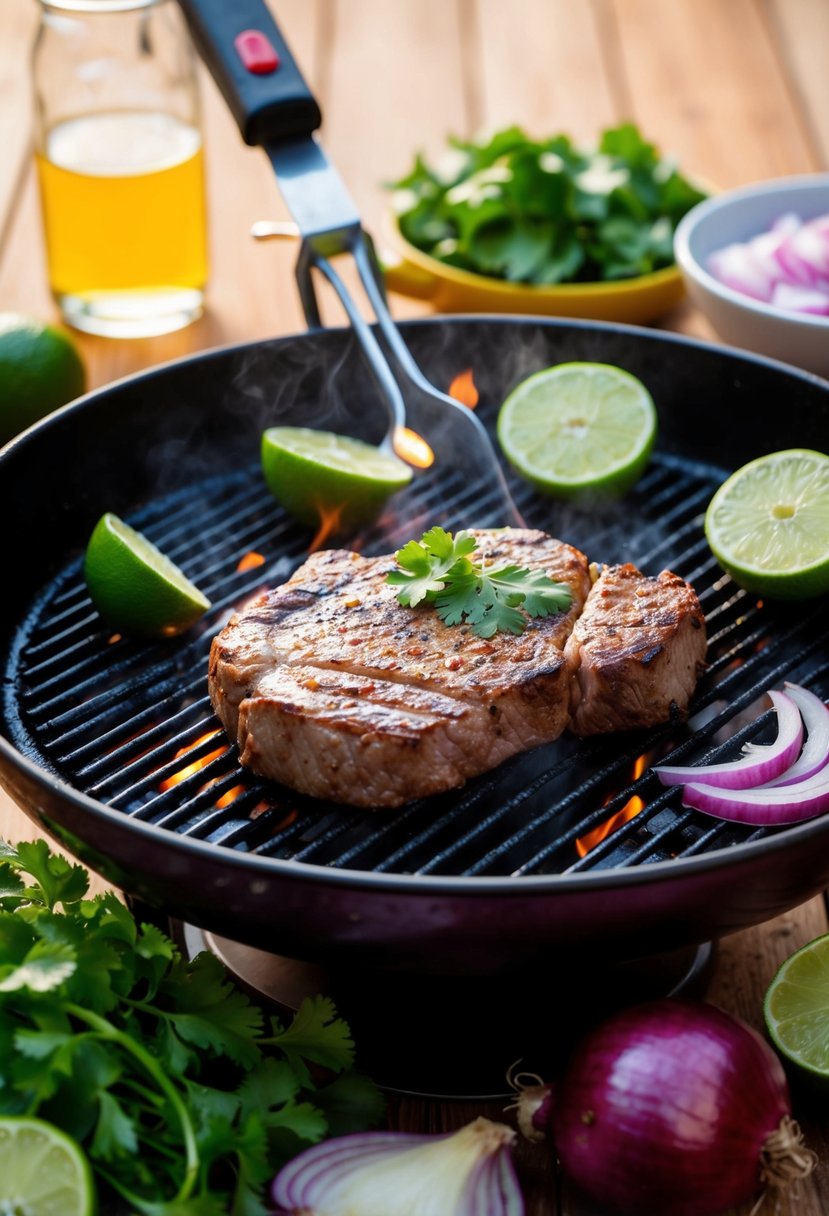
(815, 754)
(759, 763)
(466, 1173)
(767, 806)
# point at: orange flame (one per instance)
(463, 389)
(413, 448)
(195, 765)
(631, 808)
(330, 522)
(230, 796)
(250, 561)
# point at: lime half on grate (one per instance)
(42, 1171)
(579, 429)
(796, 1008)
(319, 476)
(134, 586)
(768, 525)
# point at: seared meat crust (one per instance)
(333, 689)
(637, 651)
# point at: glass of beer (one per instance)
(120, 165)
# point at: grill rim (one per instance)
(606, 879)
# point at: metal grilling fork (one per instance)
(273, 107)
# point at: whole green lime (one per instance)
(40, 369)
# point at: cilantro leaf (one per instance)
(316, 1034)
(209, 1013)
(45, 967)
(488, 599)
(57, 881)
(425, 564)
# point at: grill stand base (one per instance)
(457, 1036)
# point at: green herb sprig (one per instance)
(546, 211)
(437, 569)
(185, 1097)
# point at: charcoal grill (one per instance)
(478, 881)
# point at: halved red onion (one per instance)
(467, 1172)
(768, 806)
(759, 763)
(815, 753)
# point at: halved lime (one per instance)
(320, 476)
(768, 524)
(134, 586)
(43, 1172)
(579, 428)
(796, 1007)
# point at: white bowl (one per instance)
(740, 320)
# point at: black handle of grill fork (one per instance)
(267, 104)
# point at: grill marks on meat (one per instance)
(332, 688)
(637, 651)
(329, 686)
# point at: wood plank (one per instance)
(20, 18)
(705, 83)
(542, 68)
(801, 31)
(394, 86)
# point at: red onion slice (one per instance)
(758, 764)
(786, 266)
(815, 754)
(767, 807)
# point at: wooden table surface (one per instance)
(737, 89)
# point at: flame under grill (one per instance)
(131, 724)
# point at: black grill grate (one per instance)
(131, 724)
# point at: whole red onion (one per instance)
(675, 1107)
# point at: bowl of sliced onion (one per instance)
(755, 261)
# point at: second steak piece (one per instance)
(637, 651)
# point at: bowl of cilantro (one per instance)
(522, 225)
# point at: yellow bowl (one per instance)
(411, 272)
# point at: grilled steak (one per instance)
(334, 689)
(331, 687)
(637, 651)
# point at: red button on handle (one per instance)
(256, 52)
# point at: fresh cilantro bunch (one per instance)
(185, 1097)
(437, 569)
(545, 211)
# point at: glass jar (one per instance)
(119, 154)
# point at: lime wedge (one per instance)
(579, 428)
(796, 1008)
(134, 586)
(320, 476)
(42, 1171)
(768, 524)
